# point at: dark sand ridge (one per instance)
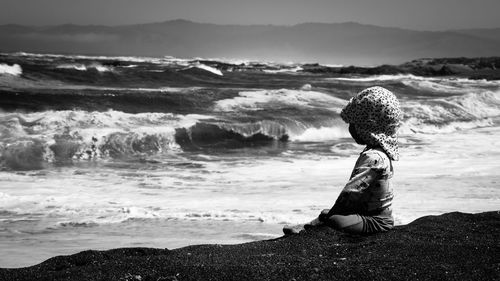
(453, 246)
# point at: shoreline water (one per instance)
(458, 181)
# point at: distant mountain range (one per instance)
(336, 43)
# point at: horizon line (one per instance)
(236, 24)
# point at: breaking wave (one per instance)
(225, 135)
(62, 137)
(35, 140)
(452, 113)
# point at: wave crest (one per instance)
(83, 67)
(230, 135)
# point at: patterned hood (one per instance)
(376, 115)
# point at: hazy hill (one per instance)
(338, 43)
(491, 33)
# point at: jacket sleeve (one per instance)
(370, 167)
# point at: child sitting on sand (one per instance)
(364, 205)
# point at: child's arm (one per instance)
(350, 197)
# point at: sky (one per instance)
(410, 14)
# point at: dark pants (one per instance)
(356, 223)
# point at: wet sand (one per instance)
(453, 246)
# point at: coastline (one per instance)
(452, 246)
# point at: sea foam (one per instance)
(257, 100)
(322, 134)
(83, 67)
(14, 69)
(409, 79)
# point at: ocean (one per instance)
(104, 152)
